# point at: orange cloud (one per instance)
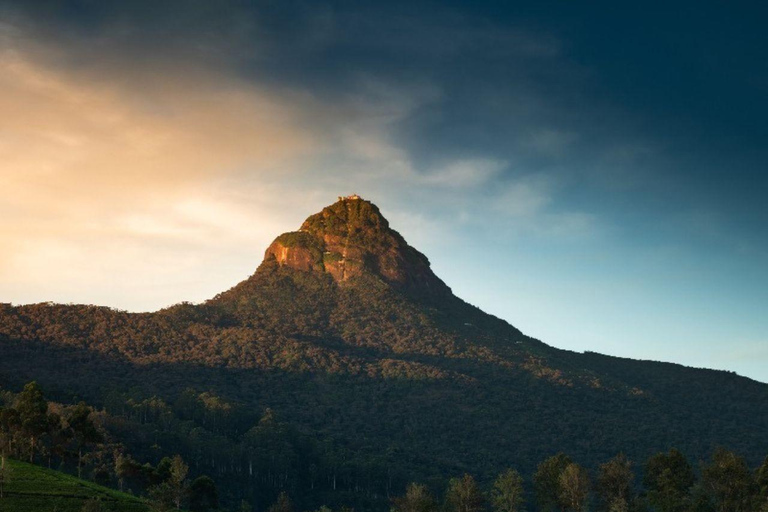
(101, 168)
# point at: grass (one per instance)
(36, 489)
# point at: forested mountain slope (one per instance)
(349, 338)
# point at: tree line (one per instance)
(76, 438)
(669, 483)
(42, 432)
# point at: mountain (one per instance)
(377, 372)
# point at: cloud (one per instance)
(107, 166)
(467, 173)
(111, 158)
(524, 197)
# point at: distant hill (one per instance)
(36, 489)
(348, 336)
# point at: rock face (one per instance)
(349, 239)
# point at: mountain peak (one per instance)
(351, 238)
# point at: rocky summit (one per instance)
(351, 238)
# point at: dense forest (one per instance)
(343, 369)
(77, 438)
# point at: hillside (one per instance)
(378, 373)
(36, 489)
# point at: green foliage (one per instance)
(203, 495)
(161, 498)
(615, 484)
(283, 504)
(6, 474)
(332, 257)
(296, 239)
(507, 494)
(463, 495)
(173, 489)
(33, 415)
(573, 492)
(668, 479)
(417, 498)
(83, 430)
(93, 505)
(34, 489)
(729, 482)
(546, 481)
(761, 480)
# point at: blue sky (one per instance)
(594, 174)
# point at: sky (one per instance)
(596, 174)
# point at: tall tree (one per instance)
(574, 488)
(57, 437)
(161, 498)
(730, 482)
(10, 423)
(464, 495)
(178, 480)
(33, 414)
(127, 469)
(615, 481)
(5, 476)
(761, 479)
(283, 504)
(162, 472)
(83, 430)
(507, 493)
(417, 498)
(203, 495)
(546, 481)
(668, 478)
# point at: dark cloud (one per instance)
(551, 87)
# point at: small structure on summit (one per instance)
(353, 197)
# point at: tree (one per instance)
(203, 495)
(761, 480)
(162, 473)
(417, 498)
(171, 492)
(668, 478)
(701, 500)
(33, 414)
(574, 488)
(83, 430)
(615, 481)
(178, 480)
(245, 506)
(464, 495)
(546, 481)
(161, 498)
(5, 476)
(10, 423)
(729, 481)
(58, 437)
(507, 492)
(283, 504)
